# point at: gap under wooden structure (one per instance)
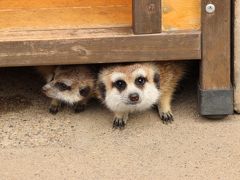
(109, 31)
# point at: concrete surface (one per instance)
(37, 145)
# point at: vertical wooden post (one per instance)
(147, 16)
(215, 94)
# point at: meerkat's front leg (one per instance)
(120, 120)
(164, 107)
(79, 107)
(54, 106)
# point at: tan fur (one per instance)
(79, 75)
(76, 77)
(170, 74)
(119, 101)
(106, 73)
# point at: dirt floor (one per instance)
(37, 145)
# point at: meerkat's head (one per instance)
(70, 84)
(128, 88)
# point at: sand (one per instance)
(37, 145)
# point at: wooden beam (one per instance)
(181, 15)
(62, 14)
(216, 28)
(215, 92)
(110, 45)
(147, 16)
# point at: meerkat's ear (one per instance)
(102, 90)
(50, 77)
(85, 91)
(156, 80)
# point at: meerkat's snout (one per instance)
(134, 98)
(45, 88)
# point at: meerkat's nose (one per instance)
(134, 97)
(44, 89)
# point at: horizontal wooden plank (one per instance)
(179, 14)
(55, 14)
(75, 17)
(35, 4)
(108, 45)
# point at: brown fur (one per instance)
(106, 73)
(117, 104)
(79, 77)
(170, 75)
(77, 74)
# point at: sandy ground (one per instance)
(37, 145)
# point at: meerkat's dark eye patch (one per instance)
(62, 86)
(120, 85)
(102, 90)
(156, 80)
(140, 81)
(85, 91)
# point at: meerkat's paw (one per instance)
(120, 120)
(79, 108)
(55, 106)
(53, 109)
(118, 123)
(166, 117)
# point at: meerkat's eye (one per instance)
(85, 91)
(140, 81)
(120, 85)
(62, 87)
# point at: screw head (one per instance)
(210, 8)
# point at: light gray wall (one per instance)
(237, 56)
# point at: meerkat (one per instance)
(128, 88)
(170, 75)
(73, 85)
(137, 87)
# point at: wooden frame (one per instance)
(143, 42)
(107, 45)
(147, 16)
(215, 93)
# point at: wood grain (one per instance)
(54, 14)
(108, 45)
(34, 4)
(147, 16)
(216, 28)
(181, 15)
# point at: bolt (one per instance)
(210, 8)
